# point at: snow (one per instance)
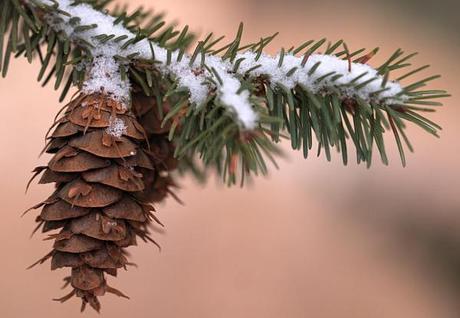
(104, 76)
(104, 73)
(229, 92)
(269, 66)
(117, 127)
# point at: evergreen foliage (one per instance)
(210, 131)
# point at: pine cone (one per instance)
(107, 172)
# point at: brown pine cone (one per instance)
(107, 172)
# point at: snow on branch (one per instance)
(321, 73)
(104, 73)
(318, 73)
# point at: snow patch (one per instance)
(117, 127)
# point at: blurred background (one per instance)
(314, 239)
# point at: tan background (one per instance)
(314, 239)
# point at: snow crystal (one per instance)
(117, 127)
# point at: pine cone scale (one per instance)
(62, 210)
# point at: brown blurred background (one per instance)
(314, 239)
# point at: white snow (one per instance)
(328, 63)
(104, 74)
(117, 127)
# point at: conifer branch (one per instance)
(148, 103)
(227, 104)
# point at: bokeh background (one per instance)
(314, 239)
